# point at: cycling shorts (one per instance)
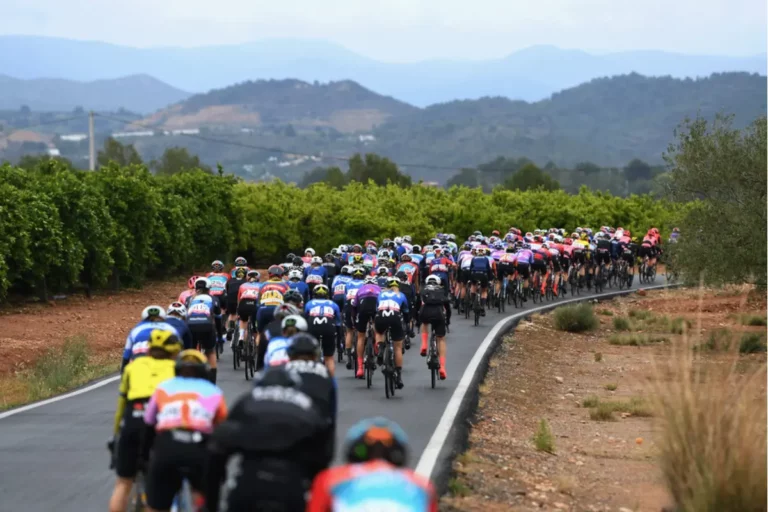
(602, 256)
(366, 310)
(246, 309)
(131, 448)
(231, 304)
(539, 265)
(480, 277)
(505, 269)
(628, 257)
(349, 322)
(524, 269)
(203, 334)
(579, 257)
(264, 315)
(434, 316)
(464, 275)
(393, 322)
(325, 333)
(644, 251)
(172, 461)
(556, 265)
(565, 263)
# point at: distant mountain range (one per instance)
(137, 93)
(530, 74)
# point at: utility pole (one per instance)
(91, 143)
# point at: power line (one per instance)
(52, 121)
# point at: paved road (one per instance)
(53, 457)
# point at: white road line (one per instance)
(86, 389)
(429, 456)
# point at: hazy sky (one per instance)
(406, 30)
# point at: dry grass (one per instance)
(713, 436)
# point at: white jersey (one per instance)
(277, 351)
(465, 260)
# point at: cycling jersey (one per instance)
(416, 258)
(137, 342)
(391, 302)
(218, 282)
(411, 270)
(525, 256)
(141, 377)
(271, 293)
(374, 485)
(440, 267)
(277, 351)
(183, 330)
(318, 309)
(352, 288)
(300, 287)
(233, 272)
(248, 291)
(186, 403)
(202, 309)
(315, 275)
(339, 287)
(480, 264)
(369, 260)
(364, 292)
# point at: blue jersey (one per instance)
(391, 302)
(277, 351)
(480, 264)
(339, 287)
(300, 287)
(137, 342)
(382, 281)
(416, 258)
(315, 275)
(181, 327)
(201, 309)
(352, 288)
(322, 308)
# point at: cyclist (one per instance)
(391, 310)
(316, 273)
(183, 411)
(363, 311)
(318, 383)
(188, 292)
(435, 311)
(295, 281)
(271, 295)
(269, 449)
(288, 262)
(440, 266)
(603, 250)
(176, 316)
(309, 253)
(406, 289)
(137, 342)
(339, 286)
(275, 328)
(295, 298)
(324, 318)
(382, 275)
(247, 302)
(331, 266)
(481, 272)
(277, 348)
(240, 262)
(375, 476)
(410, 269)
(137, 384)
(218, 279)
(541, 264)
(204, 321)
(351, 290)
(628, 255)
(239, 276)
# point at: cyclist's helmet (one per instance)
(240, 273)
(240, 261)
(510, 248)
(320, 291)
(675, 230)
(438, 251)
(177, 308)
(433, 280)
(317, 260)
(402, 276)
(309, 251)
(191, 282)
(202, 284)
(298, 262)
(277, 376)
(293, 297)
(382, 271)
(495, 232)
(393, 282)
(358, 273)
(357, 259)
(153, 312)
(406, 257)
(407, 239)
(284, 310)
(346, 270)
(376, 438)
(416, 249)
(334, 252)
(371, 249)
(370, 280)
(275, 271)
(193, 360)
(217, 266)
(165, 340)
(369, 243)
(295, 321)
(295, 275)
(254, 274)
(526, 246)
(357, 248)
(304, 345)
(343, 248)
(290, 256)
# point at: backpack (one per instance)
(433, 296)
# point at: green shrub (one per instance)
(605, 312)
(611, 386)
(543, 438)
(754, 320)
(59, 369)
(590, 401)
(679, 325)
(576, 318)
(640, 314)
(636, 339)
(602, 412)
(752, 343)
(621, 324)
(718, 340)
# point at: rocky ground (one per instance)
(604, 464)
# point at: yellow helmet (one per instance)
(165, 340)
(193, 360)
(583, 235)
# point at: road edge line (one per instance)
(435, 461)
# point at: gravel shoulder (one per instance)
(542, 373)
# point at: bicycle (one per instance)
(433, 358)
(237, 350)
(599, 278)
(249, 352)
(549, 291)
(502, 295)
(369, 359)
(536, 291)
(388, 369)
(476, 307)
(340, 344)
(137, 500)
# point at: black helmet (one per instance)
(278, 376)
(293, 296)
(240, 261)
(298, 262)
(376, 438)
(328, 257)
(290, 256)
(402, 276)
(304, 345)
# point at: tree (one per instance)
(25, 110)
(332, 176)
(122, 155)
(587, 167)
(78, 110)
(31, 162)
(638, 170)
(175, 160)
(289, 131)
(723, 169)
(530, 177)
(466, 178)
(376, 168)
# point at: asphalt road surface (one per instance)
(54, 458)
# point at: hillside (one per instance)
(607, 120)
(529, 74)
(345, 106)
(137, 93)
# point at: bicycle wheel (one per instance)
(247, 357)
(138, 494)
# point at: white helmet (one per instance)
(343, 248)
(178, 308)
(202, 283)
(432, 280)
(317, 260)
(309, 250)
(153, 311)
(295, 274)
(296, 321)
(398, 240)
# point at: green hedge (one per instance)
(61, 228)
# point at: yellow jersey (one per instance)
(141, 376)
